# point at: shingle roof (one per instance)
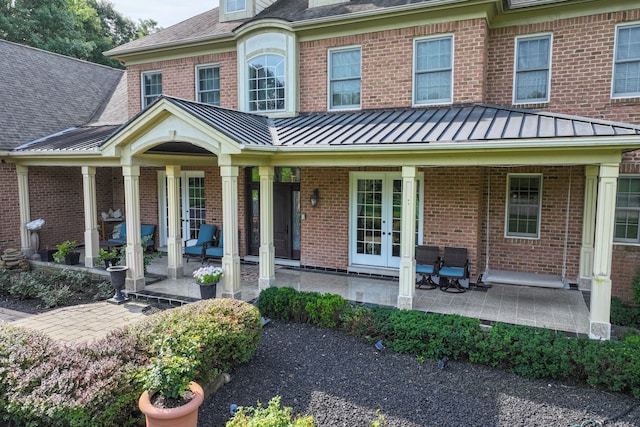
(42, 93)
(203, 26)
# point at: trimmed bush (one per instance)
(46, 383)
(271, 416)
(527, 351)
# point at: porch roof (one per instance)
(442, 125)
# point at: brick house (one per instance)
(337, 135)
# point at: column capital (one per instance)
(131, 170)
(409, 171)
(609, 170)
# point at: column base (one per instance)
(600, 331)
(266, 283)
(232, 295)
(135, 285)
(405, 302)
(175, 272)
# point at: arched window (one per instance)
(266, 83)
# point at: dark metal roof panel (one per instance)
(242, 127)
(441, 124)
(74, 139)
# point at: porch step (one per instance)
(160, 297)
(524, 279)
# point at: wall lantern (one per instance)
(313, 199)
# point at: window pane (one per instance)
(267, 83)
(532, 70)
(524, 206)
(209, 85)
(235, 5)
(433, 73)
(152, 87)
(628, 209)
(627, 62)
(345, 79)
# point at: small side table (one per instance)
(103, 231)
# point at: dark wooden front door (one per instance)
(282, 220)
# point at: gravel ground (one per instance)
(342, 381)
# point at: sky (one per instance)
(166, 12)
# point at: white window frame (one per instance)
(515, 235)
(331, 80)
(620, 239)
(622, 95)
(415, 71)
(144, 96)
(516, 72)
(284, 88)
(199, 91)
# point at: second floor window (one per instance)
(626, 70)
(533, 69)
(208, 89)
(235, 6)
(627, 225)
(433, 71)
(151, 87)
(523, 206)
(344, 78)
(266, 83)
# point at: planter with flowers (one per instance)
(207, 278)
(170, 397)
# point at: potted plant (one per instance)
(66, 253)
(207, 278)
(109, 258)
(171, 398)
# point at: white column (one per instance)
(135, 274)
(231, 258)
(588, 226)
(267, 250)
(407, 239)
(175, 267)
(600, 323)
(91, 240)
(25, 212)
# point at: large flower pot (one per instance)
(118, 275)
(182, 416)
(208, 291)
(72, 259)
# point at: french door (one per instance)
(192, 205)
(375, 215)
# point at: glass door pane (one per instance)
(369, 217)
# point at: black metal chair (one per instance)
(427, 263)
(454, 267)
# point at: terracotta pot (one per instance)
(182, 416)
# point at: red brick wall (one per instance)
(581, 69)
(178, 79)
(10, 224)
(544, 255)
(325, 232)
(386, 65)
(453, 210)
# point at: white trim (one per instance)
(184, 198)
(330, 51)
(538, 36)
(506, 206)
(613, 62)
(418, 40)
(142, 85)
(197, 69)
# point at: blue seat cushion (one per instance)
(215, 251)
(145, 230)
(425, 269)
(193, 250)
(457, 272)
(206, 234)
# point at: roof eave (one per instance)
(165, 47)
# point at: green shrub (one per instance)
(324, 310)
(271, 416)
(530, 352)
(635, 287)
(623, 314)
(276, 303)
(46, 383)
(27, 285)
(614, 365)
(228, 331)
